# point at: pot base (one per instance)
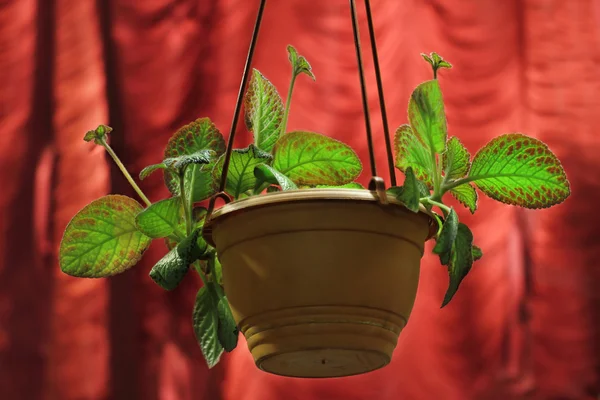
(322, 341)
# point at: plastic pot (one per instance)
(321, 282)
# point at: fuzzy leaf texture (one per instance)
(447, 237)
(299, 64)
(172, 268)
(263, 111)
(520, 170)
(240, 177)
(266, 174)
(227, 329)
(466, 195)
(161, 219)
(411, 152)
(181, 162)
(98, 135)
(461, 260)
(309, 158)
(456, 159)
(206, 324)
(199, 135)
(410, 193)
(102, 239)
(150, 169)
(351, 185)
(427, 117)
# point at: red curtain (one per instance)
(526, 322)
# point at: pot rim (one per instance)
(307, 195)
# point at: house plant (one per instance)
(319, 273)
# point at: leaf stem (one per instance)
(186, 209)
(458, 182)
(288, 102)
(440, 205)
(117, 161)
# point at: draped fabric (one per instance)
(526, 322)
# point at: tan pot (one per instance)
(320, 281)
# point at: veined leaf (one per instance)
(179, 163)
(206, 325)
(173, 267)
(445, 241)
(520, 170)
(426, 115)
(160, 219)
(102, 239)
(409, 194)
(227, 329)
(146, 172)
(263, 111)
(269, 175)
(466, 195)
(457, 159)
(240, 177)
(411, 152)
(299, 63)
(309, 158)
(201, 134)
(351, 185)
(461, 260)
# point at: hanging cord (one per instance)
(363, 87)
(386, 128)
(236, 114)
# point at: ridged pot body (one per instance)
(321, 288)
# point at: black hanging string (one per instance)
(238, 106)
(386, 129)
(363, 87)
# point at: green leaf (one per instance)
(146, 172)
(266, 174)
(411, 152)
(173, 267)
(160, 219)
(427, 58)
(206, 325)
(227, 329)
(309, 158)
(456, 159)
(299, 64)
(461, 260)
(201, 134)
(426, 115)
(240, 177)
(98, 135)
(181, 162)
(217, 270)
(102, 239)
(444, 242)
(263, 111)
(477, 253)
(351, 185)
(520, 170)
(412, 191)
(466, 195)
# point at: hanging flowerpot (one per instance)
(321, 282)
(319, 273)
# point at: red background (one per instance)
(526, 322)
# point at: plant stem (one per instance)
(110, 151)
(442, 206)
(186, 210)
(458, 182)
(288, 103)
(191, 194)
(200, 273)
